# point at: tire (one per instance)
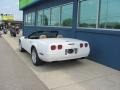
(20, 47)
(35, 58)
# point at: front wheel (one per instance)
(20, 47)
(35, 59)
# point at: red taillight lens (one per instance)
(86, 44)
(59, 47)
(81, 45)
(53, 47)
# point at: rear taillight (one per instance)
(81, 45)
(53, 47)
(59, 47)
(86, 44)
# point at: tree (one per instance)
(67, 22)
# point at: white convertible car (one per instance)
(48, 46)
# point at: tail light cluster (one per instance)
(54, 47)
(83, 45)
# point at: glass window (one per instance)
(55, 16)
(87, 13)
(25, 19)
(40, 18)
(110, 14)
(46, 17)
(30, 19)
(67, 14)
(33, 18)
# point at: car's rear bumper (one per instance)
(65, 54)
(52, 58)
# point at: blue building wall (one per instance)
(105, 44)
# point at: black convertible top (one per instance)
(49, 34)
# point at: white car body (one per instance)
(43, 48)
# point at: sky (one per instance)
(11, 7)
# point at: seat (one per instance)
(42, 37)
(59, 36)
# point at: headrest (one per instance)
(59, 36)
(42, 36)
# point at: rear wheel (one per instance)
(35, 59)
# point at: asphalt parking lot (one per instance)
(71, 75)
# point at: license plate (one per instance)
(71, 51)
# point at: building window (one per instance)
(46, 17)
(67, 15)
(110, 14)
(33, 18)
(30, 19)
(39, 18)
(43, 17)
(55, 16)
(87, 13)
(25, 19)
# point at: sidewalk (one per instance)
(14, 74)
(80, 75)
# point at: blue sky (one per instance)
(11, 7)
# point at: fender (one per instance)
(35, 46)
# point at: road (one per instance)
(14, 74)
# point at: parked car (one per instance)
(50, 46)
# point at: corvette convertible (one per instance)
(49, 46)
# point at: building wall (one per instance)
(105, 45)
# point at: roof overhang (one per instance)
(26, 3)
